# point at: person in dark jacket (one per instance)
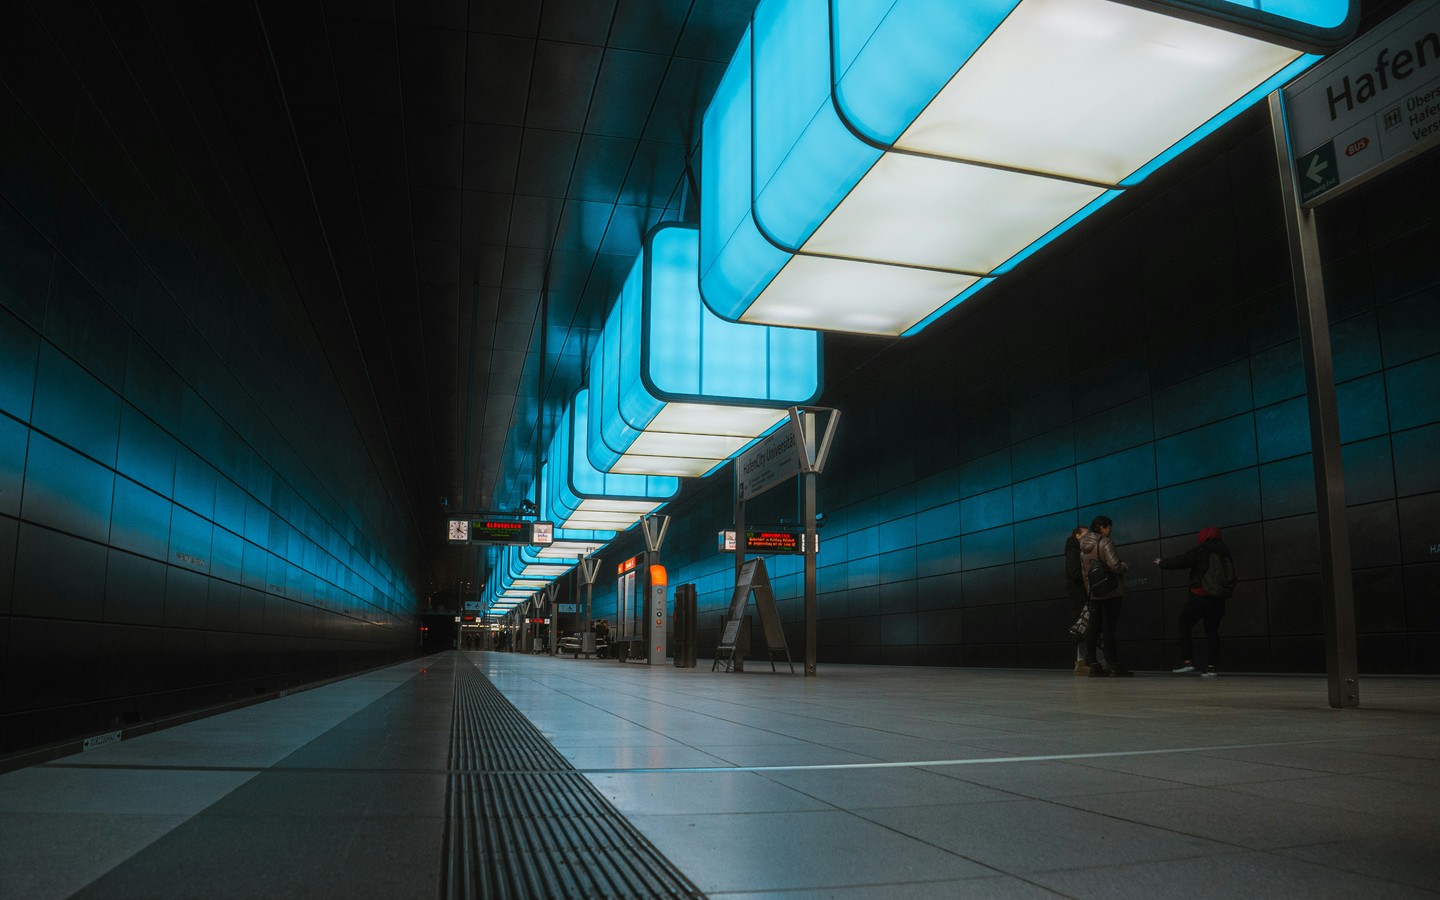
(1075, 590)
(1096, 544)
(1199, 605)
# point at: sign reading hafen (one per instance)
(1369, 107)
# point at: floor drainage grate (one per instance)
(523, 823)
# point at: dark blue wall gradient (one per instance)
(187, 514)
(1147, 369)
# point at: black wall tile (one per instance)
(1292, 546)
(988, 587)
(1374, 535)
(1411, 392)
(1287, 487)
(1380, 602)
(1039, 579)
(1297, 654)
(1044, 495)
(186, 597)
(987, 510)
(1420, 528)
(983, 475)
(940, 591)
(1278, 373)
(1209, 450)
(1415, 451)
(1369, 470)
(66, 491)
(140, 520)
(134, 590)
(899, 630)
(14, 442)
(1219, 394)
(73, 407)
(1113, 383)
(146, 452)
(989, 625)
(50, 663)
(25, 278)
(1410, 327)
(9, 535)
(1295, 606)
(898, 597)
(1036, 538)
(1362, 408)
(1049, 452)
(1381, 654)
(939, 627)
(1117, 428)
(982, 549)
(1220, 500)
(897, 566)
(19, 352)
(1117, 475)
(83, 326)
(938, 522)
(1282, 430)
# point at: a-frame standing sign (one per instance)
(753, 579)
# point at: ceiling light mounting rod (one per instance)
(540, 377)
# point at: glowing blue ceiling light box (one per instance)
(574, 543)
(578, 495)
(870, 163)
(677, 390)
(548, 570)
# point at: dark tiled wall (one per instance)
(187, 516)
(1149, 370)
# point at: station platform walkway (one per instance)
(487, 774)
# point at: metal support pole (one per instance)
(552, 602)
(1337, 596)
(811, 540)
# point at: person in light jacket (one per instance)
(1075, 591)
(1096, 544)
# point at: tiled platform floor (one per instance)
(861, 782)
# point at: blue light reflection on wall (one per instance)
(194, 521)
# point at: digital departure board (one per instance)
(501, 531)
(767, 539)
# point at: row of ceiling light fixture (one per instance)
(868, 165)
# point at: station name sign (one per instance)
(1369, 107)
(501, 531)
(768, 539)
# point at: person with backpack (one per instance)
(1104, 573)
(1212, 582)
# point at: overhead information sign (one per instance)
(1369, 107)
(500, 531)
(769, 539)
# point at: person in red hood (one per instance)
(1210, 586)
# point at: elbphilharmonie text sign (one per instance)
(1369, 107)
